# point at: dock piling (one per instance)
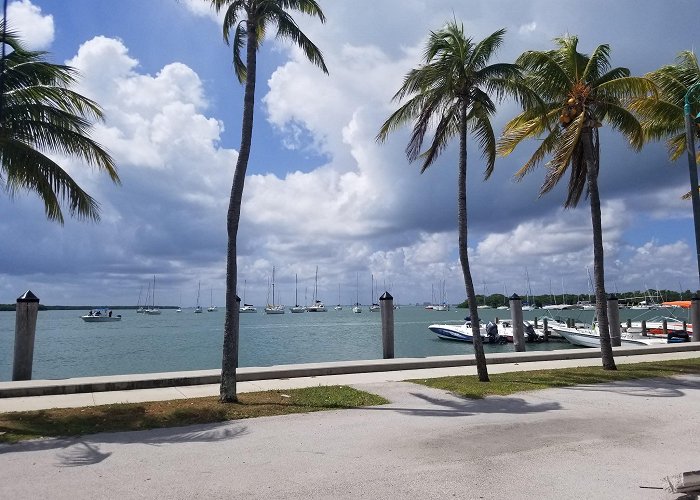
(25, 331)
(386, 307)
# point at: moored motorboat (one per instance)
(590, 337)
(464, 333)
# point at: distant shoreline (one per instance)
(11, 307)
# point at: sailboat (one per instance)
(153, 309)
(505, 299)
(198, 308)
(246, 308)
(297, 308)
(179, 307)
(357, 308)
(338, 307)
(374, 307)
(526, 305)
(272, 308)
(139, 307)
(212, 307)
(318, 305)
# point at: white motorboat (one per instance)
(589, 337)
(463, 333)
(530, 333)
(101, 316)
(655, 326)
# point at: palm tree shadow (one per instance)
(86, 449)
(81, 453)
(465, 407)
(648, 388)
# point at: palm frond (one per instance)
(598, 64)
(563, 153)
(479, 118)
(288, 29)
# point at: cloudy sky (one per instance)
(320, 191)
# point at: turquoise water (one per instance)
(66, 346)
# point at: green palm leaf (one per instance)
(41, 115)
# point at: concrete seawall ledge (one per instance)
(203, 377)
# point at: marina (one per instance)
(67, 347)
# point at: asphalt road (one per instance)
(608, 441)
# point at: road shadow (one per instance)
(86, 450)
(648, 387)
(465, 407)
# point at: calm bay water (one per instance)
(66, 346)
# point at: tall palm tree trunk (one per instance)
(591, 155)
(481, 369)
(229, 364)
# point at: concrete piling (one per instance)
(614, 321)
(516, 316)
(25, 331)
(695, 317)
(386, 307)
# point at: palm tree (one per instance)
(249, 21)
(577, 93)
(663, 118)
(449, 93)
(40, 115)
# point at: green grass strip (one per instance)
(20, 426)
(503, 384)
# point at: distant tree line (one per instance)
(633, 297)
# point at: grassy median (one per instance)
(20, 426)
(503, 384)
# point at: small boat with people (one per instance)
(103, 315)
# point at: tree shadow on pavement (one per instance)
(648, 387)
(464, 407)
(86, 450)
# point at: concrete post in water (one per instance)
(629, 323)
(664, 327)
(614, 321)
(545, 329)
(644, 328)
(386, 306)
(25, 331)
(685, 326)
(695, 317)
(535, 321)
(516, 316)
